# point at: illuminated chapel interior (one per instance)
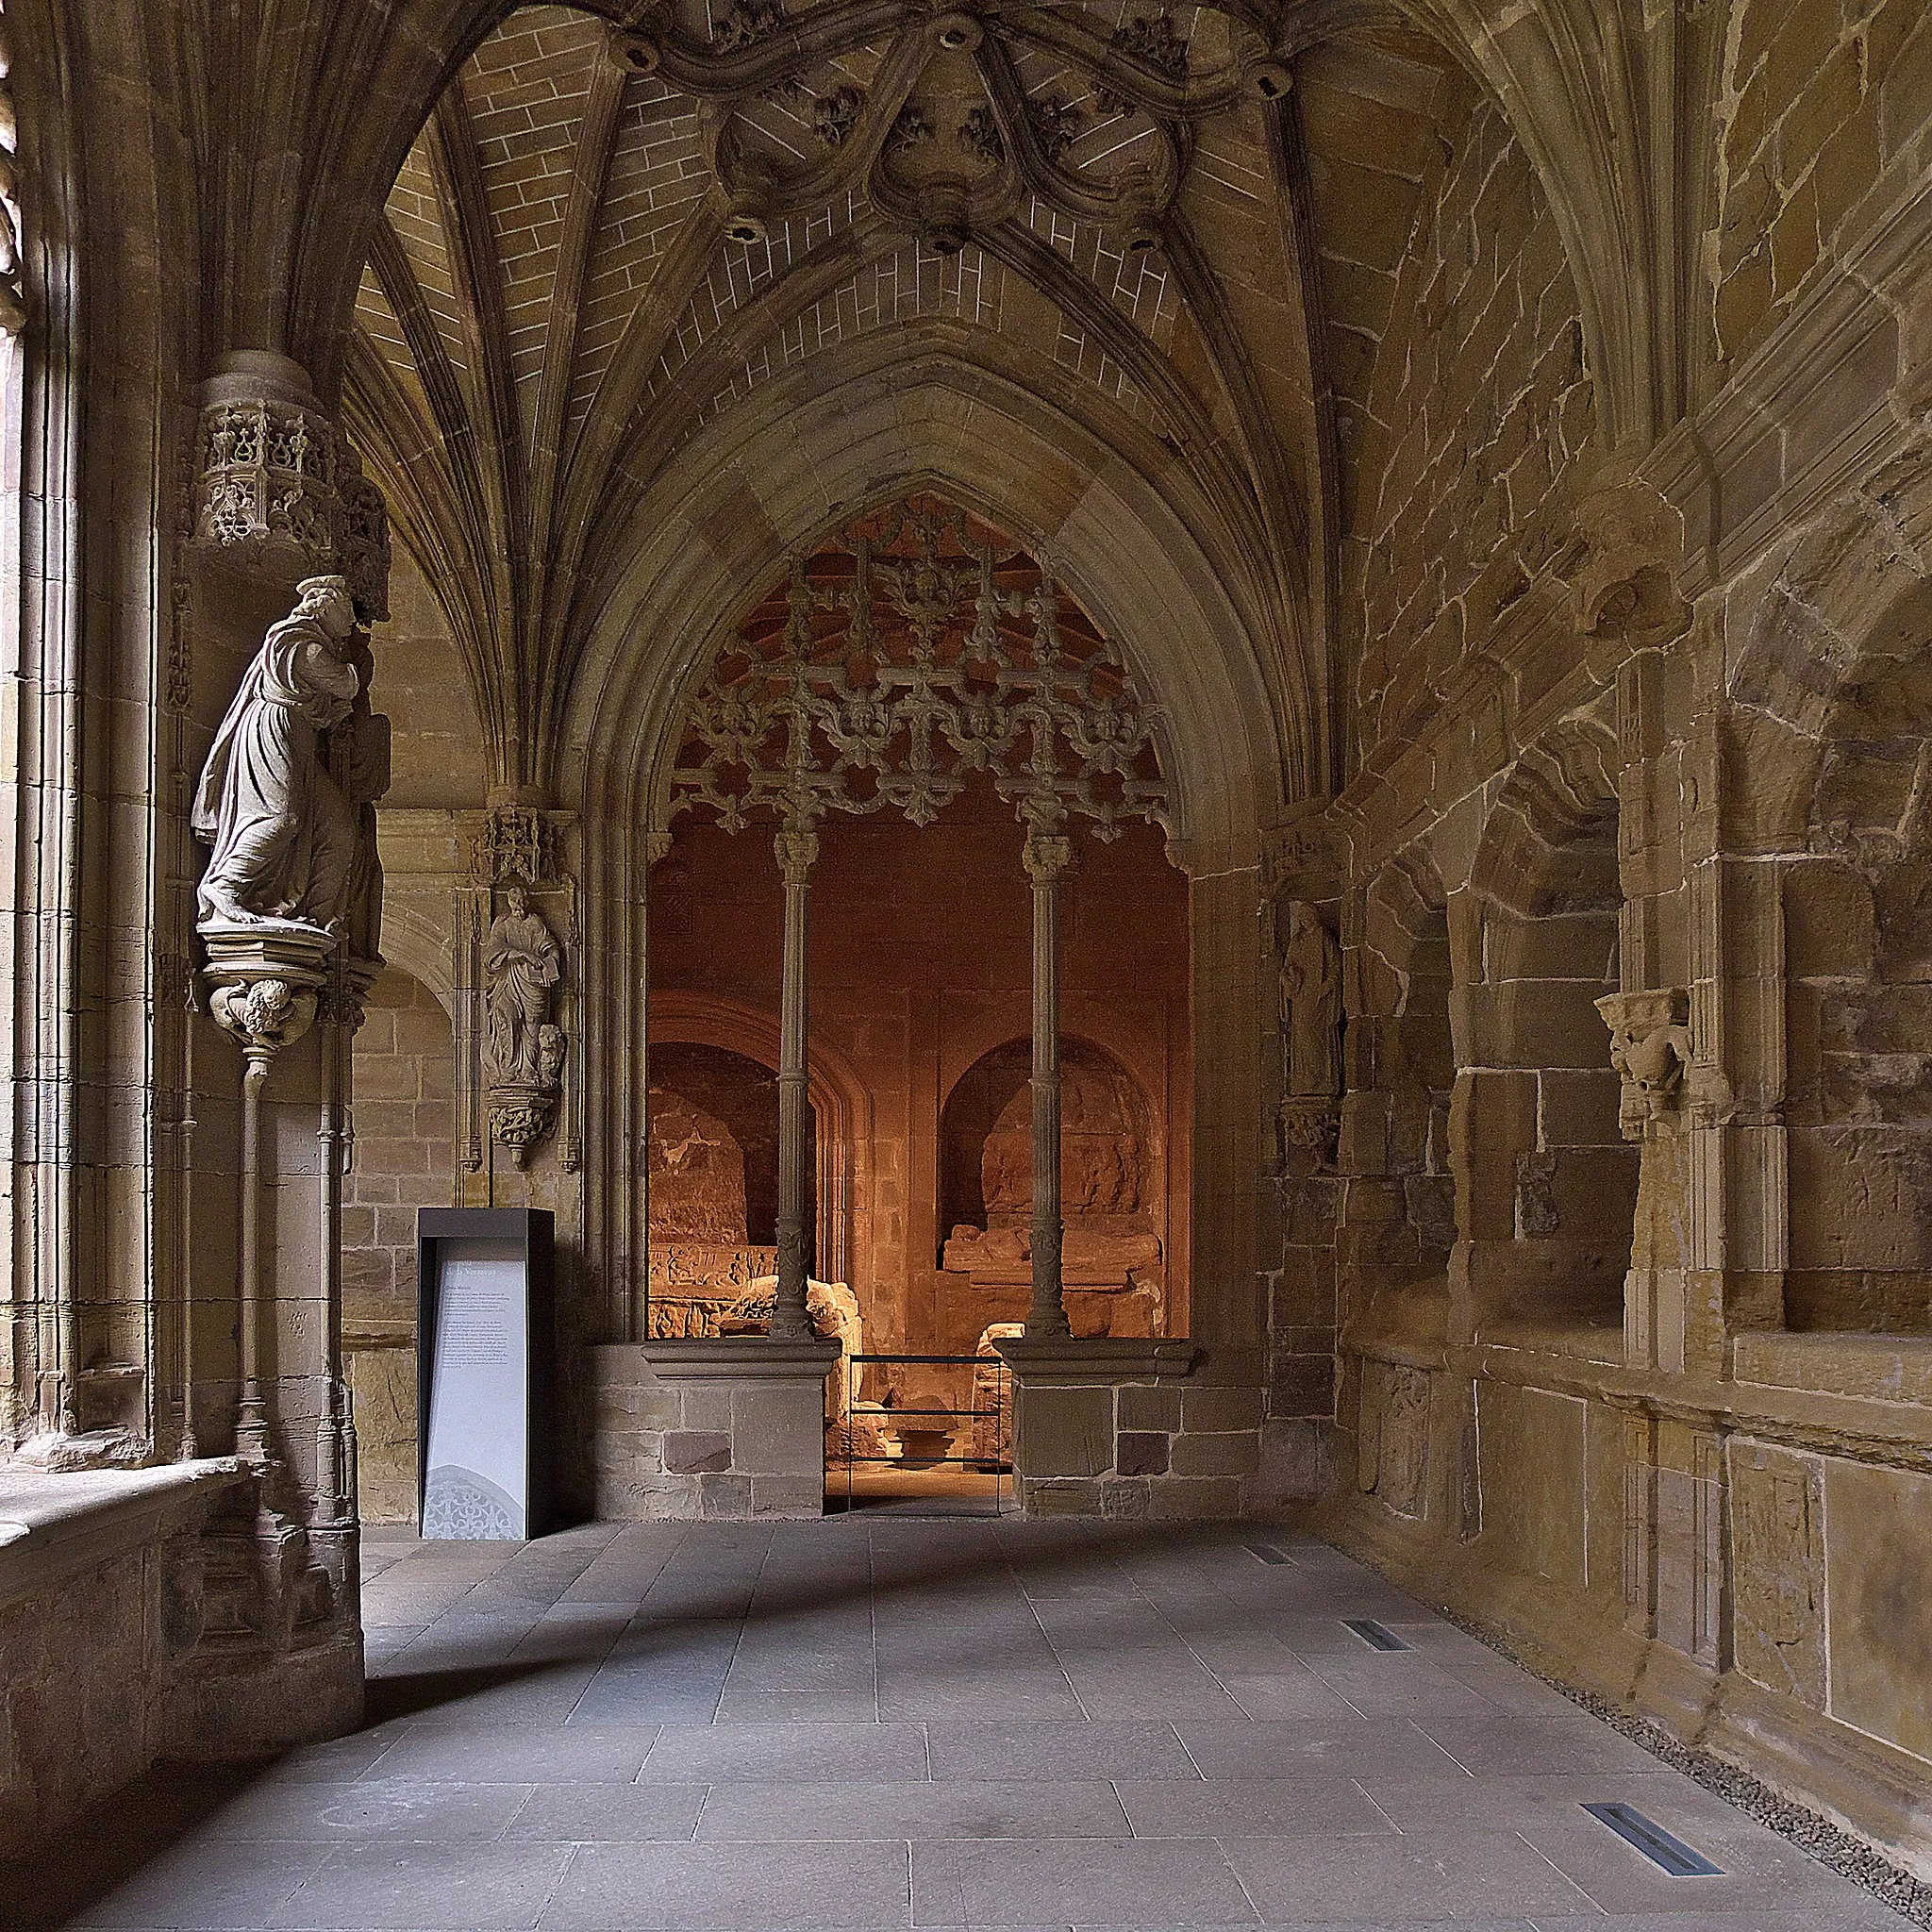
(1148, 779)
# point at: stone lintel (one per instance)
(1103, 1360)
(740, 1358)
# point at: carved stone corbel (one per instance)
(1622, 569)
(1651, 1049)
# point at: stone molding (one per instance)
(1098, 1359)
(740, 1358)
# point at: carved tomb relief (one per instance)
(1110, 1178)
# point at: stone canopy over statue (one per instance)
(288, 837)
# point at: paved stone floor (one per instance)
(900, 1723)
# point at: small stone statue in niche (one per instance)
(286, 839)
(1309, 988)
(1310, 991)
(523, 1049)
(523, 961)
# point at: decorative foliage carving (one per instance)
(979, 134)
(913, 650)
(286, 839)
(1650, 1048)
(745, 22)
(1155, 43)
(834, 115)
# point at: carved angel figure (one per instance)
(523, 961)
(1311, 993)
(285, 838)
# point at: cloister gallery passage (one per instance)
(1155, 771)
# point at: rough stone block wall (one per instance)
(1478, 410)
(405, 1082)
(1824, 97)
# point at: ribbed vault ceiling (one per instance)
(603, 240)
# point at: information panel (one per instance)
(484, 1318)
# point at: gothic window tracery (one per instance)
(918, 647)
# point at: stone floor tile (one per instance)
(1024, 1695)
(1171, 1883)
(426, 1888)
(1305, 1697)
(1401, 1684)
(946, 1809)
(1369, 1877)
(528, 1754)
(1492, 1746)
(1350, 1746)
(1249, 1808)
(736, 1888)
(1166, 1688)
(855, 1706)
(803, 1753)
(1852, 1916)
(402, 1809)
(1001, 1751)
(208, 1882)
(608, 1813)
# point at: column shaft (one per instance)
(797, 850)
(1046, 858)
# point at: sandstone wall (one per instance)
(404, 1158)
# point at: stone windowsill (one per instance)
(1875, 1368)
(55, 1524)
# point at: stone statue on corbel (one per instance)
(1308, 988)
(517, 923)
(524, 1048)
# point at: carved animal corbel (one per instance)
(1650, 1050)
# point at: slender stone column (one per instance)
(798, 851)
(1046, 857)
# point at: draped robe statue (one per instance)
(1310, 991)
(285, 838)
(521, 960)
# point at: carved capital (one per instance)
(1650, 1050)
(798, 852)
(1046, 858)
(1622, 571)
